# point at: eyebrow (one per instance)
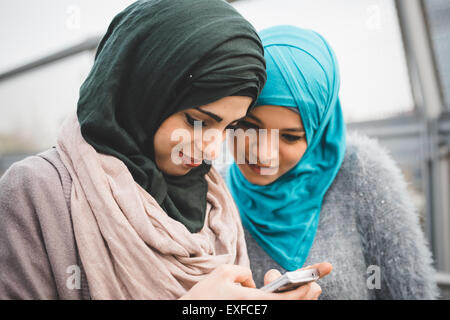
(301, 130)
(212, 115)
(254, 118)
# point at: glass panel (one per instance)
(438, 12)
(34, 104)
(32, 29)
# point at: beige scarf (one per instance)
(129, 247)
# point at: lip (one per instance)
(268, 170)
(188, 161)
(256, 169)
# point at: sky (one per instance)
(33, 28)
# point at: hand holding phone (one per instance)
(292, 280)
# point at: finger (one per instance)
(300, 293)
(314, 292)
(271, 275)
(237, 274)
(296, 294)
(323, 268)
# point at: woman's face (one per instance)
(270, 163)
(179, 148)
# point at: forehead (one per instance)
(277, 117)
(229, 107)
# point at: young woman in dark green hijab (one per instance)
(111, 199)
(159, 58)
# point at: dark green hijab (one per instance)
(157, 58)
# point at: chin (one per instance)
(180, 171)
(255, 178)
(174, 170)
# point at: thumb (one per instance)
(271, 275)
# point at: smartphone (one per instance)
(292, 280)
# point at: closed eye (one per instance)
(246, 125)
(191, 121)
(291, 138)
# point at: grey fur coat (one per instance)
(368, 230)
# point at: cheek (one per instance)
(162, 137)
(290, 155)
(163, 143)
(240, 147)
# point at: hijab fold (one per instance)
(283, 216)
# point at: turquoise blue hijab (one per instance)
(302, 73)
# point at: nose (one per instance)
(210, 145)
(267, 149)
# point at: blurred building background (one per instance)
(394, 58)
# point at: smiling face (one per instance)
(270, 164)
(175, 156)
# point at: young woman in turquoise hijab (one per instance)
(269, 207)
(299, 201)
